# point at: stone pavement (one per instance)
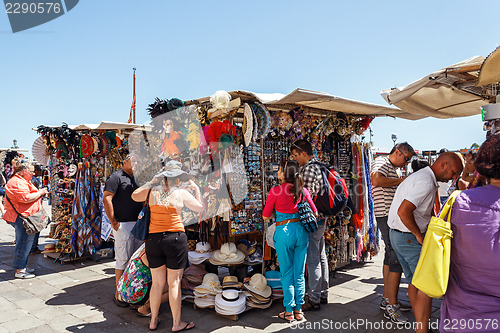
(78, 298)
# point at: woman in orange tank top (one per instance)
(166, 244)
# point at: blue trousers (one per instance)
(24, 242)
(291, 242)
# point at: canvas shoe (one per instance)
(394, 314)
(23, 274)
(29, 270)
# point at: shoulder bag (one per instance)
(307, 218)
(141, 227)
(34, 223)
(433, 268)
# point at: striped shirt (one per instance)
(383, 196)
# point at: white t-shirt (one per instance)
(420, 189)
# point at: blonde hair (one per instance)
(19, 165)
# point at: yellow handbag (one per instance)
(433, 268)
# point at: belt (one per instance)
(402, 232)
(278, 223)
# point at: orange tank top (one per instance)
(165, 218)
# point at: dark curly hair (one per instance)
(487, 161)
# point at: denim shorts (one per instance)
(407, 249)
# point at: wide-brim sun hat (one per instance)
(230, 301)
(172, 169)
(247, 124)
(258, 285)
(204, 303)
(228, 253)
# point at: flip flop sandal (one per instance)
(287, 317)
(299, 315)
(186, 327)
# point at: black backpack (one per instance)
(332, 198)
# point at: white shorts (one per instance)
(125, 244)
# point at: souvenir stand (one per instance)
(80, 159)
(260, 128)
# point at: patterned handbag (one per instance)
(307, 218)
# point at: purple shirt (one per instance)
(473, 291)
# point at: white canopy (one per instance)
(447, 93)
(322, 103)
(326, 103)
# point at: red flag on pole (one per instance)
(131, 118)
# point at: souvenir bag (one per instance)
(433, 268)
(141, 227)
(34, 223)
(307, 218)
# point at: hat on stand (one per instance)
(210, 285)
(231, 282)
(258, 286)
(247, 124)
(227, 255)
(230, 302)
(200, 254)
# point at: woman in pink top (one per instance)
(290, 239)
(27, 200)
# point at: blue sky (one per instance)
(78, 67)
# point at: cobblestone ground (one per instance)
(78, 298)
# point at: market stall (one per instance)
(233, 143)
(80, 159)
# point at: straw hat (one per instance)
(204, 303)
(211, 284)
(231, 281)
(247, 124)
(49, 248)
(200, 254)
(258, 285)
(228, 254)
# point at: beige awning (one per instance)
(322, 103)
(447, 93)
(490, 70)
(326, 103)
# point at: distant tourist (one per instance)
(26, 200)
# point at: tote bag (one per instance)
(307, 218)
(141, 227)
(433, 268)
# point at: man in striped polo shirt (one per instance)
(385, 180)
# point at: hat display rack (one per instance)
(80, 159)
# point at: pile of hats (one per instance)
(227, 255)
(231, 301)
(200, 254)
(206, 292)
(252, 251)
(259, 294)
(274, 281)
